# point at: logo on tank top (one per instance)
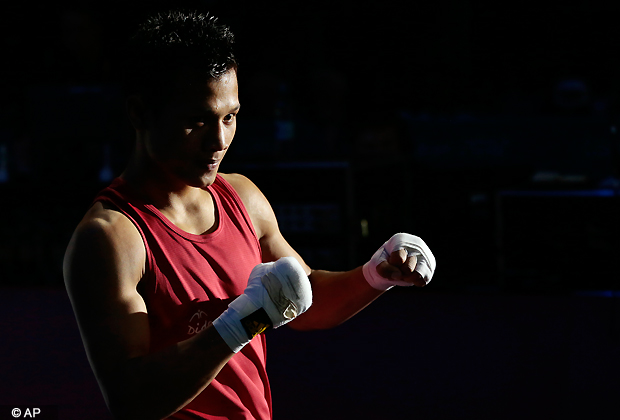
(198, 322)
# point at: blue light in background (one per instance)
(577, 193)
(599, 293)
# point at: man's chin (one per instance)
(197, 180)
(206, 180)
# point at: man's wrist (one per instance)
(373, 278)
(210, 340)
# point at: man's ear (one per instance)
(136, 111)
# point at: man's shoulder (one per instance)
(104, 222)
(237, 180)
(256, 204)
(106, 214)
(106, 246)
(246, 189)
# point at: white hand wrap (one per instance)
(277, 292)
(414, 246)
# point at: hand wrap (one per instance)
(277, 292)
(414, 246)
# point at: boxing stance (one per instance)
(177, 270)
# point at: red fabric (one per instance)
(189, 281)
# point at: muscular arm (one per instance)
(103, 265)
(337, 296)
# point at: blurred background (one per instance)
(490, 130)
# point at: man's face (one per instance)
(188, 138)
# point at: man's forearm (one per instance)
(157, 385)
(337, 297)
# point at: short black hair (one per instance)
(167, 42)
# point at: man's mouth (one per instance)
(210, 164)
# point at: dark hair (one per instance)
(167, 42)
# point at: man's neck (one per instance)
(191, 209)
(157, 187)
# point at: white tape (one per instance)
(414, 246)
(280, 290)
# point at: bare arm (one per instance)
(337, 296)
(104, 262)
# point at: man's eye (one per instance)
(230, 117)
(196, 122)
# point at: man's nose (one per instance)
(216, 140)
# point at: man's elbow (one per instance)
(125, 403)
(122, 409)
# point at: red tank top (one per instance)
(190, 280)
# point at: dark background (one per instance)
(487, 129)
